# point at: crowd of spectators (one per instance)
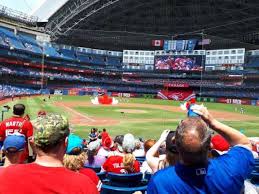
(9, 91)
(190, 159)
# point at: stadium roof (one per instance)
(48, 8)
(132, 24)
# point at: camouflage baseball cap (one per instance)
(48, 130)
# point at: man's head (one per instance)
(118, 140)
(13, 147)
(51, 132)
(193, 141)
(18, 109)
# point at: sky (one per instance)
(26, 6)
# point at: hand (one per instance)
(164, 135)
(203, 112)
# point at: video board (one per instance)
(179, 62)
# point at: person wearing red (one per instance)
(47, 174)
(125, 163)
(17, 124)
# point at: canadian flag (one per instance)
(158, 43)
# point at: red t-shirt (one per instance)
(17, 124)
(92, 175)
(33, 178)
(115, 164)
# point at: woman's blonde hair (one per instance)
(128, 162)
(74, 162)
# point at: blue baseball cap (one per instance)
(17, 142)
(74, 141)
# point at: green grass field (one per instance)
(149, 124)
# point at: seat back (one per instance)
(101, 175)
(94, 168)
(126, 180)
(141, 159)
(148, 176)
(107, 189)
(254, 177)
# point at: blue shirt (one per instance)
(225, 174)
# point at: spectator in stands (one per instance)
(126, 163)
(42, 113)
(17, 123)
(13, 148)
(118, 140)
(219, 145)
(107, 146)
(75, 158)
(169, 158)
(47, 174)
(147, 145)
(139, 151)
(104, 133)
(94, 160)
(93, 135)
(194, 173)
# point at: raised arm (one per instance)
(150, 156)
(233, 136)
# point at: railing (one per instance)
(20, 16)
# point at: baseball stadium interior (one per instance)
(204, 51)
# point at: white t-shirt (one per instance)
(103, 152)
(139, 153)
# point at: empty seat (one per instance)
(107, 189)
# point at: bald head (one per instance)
(193, 140)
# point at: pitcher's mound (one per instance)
(135, 111)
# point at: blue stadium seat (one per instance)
(30, 44)
(256, 168)
(12, 39)
(101, 175)
(107, 189)
(125, 180)
(141, 159)
(147, 176)
(67, 54)
(95, 169)
(254, 177)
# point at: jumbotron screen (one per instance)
(181, 62)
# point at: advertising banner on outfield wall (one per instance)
(234, 101)
(58, 92)
(73, 92)
(177, 94)
(257, 103)
(253, 102)
(176, 85)
(125, 95)
(206, 99)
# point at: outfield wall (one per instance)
(96, 91)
